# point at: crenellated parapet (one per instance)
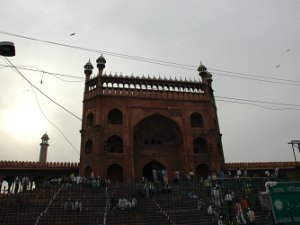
(259, 165)
(37, 165)
(145, 87)
(148, 86)
(148, 83)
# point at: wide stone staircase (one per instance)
(46, 205)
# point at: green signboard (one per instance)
(285, 198)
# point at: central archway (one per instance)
(157, 139)
(150, 167)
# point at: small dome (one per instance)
(88, 65)
(201, 68)
(209, 77)
(101, 60)
(45, 137)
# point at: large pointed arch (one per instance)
(159, 138)
(157, 130)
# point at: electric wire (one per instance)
(56, 75)
(59, 130)
(255, 79)
(41, 110)
(253, 75)
(222, 97)
(178, 65)
(154, 61)
(253, 104)
(257, 101)
(68, 111)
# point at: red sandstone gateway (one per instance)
(134, 125)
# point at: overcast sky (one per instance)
(259, 38)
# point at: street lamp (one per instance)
(7, 49)
(295, 142)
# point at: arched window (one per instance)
(115, 117)
(88, 147)
(196, 120)
(90, 119)
(115, 144)
(199, 145)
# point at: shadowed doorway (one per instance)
(202, 170)
(149, 167)
(115, 173)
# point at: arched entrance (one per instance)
(115, 173)
(202, 170)
(159, 139)
(149, 167)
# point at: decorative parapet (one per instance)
(145, 84)
(37, 165)
(259, 165)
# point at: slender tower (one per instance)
(44, 148)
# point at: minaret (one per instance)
(88, 70)
(101, 64)
(44, 148)
(205, 75)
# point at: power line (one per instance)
(172, 64)
(59, 130)
(256, 101)
(253, 104)
(253, 75)
(222, 97)
(40, 108)
(56, 75)
(256, 79)
(68, 111)
(156, 61)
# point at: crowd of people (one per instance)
(122, 203)
(214, 198)
(238, 210)
(235, 208)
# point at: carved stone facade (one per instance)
(133, 125)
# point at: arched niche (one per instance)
(196, 120)
(115, 173)
(202, 170)
(115, 116)
(199, 145)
